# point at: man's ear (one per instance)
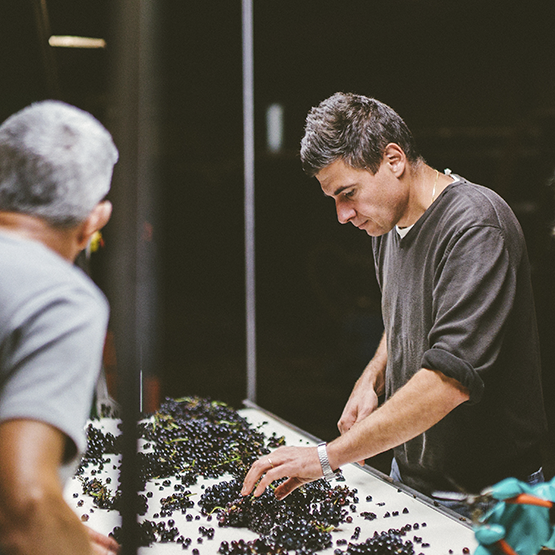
(395, 158)
(97, 219)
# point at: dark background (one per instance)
(473, 79)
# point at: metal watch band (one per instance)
(325, 463)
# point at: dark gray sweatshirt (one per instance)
(457, 298)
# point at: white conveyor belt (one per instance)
(435, 530)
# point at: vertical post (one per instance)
(124, 262)
(131, 234)
(248, 145)
(49, 61)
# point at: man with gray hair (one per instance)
(56, 164)
(459, 362)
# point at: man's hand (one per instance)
(362, 402)
(101, 544)
(299, 464)
(364, 397)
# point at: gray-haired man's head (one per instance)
(56, 163)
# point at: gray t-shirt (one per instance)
(52, 329)
(457, 298)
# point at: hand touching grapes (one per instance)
(298, 464)
(101, 544)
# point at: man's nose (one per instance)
(344, 213)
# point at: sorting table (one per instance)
(435, 529)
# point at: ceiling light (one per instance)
(65, 41)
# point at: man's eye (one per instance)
(349, 194)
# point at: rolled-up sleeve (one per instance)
(454, 367)
(474, 289)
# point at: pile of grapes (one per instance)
(196, 438)
(301, 522)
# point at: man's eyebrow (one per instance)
(339, 190)
(342, 188)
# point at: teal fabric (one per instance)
(526, 528)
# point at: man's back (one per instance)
(51, 314)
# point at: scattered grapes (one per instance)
(192, 438)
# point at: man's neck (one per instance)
(36, 229)
(426, 184)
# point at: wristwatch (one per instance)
(329, 475)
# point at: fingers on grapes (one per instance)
(258, 471)
(285, 489)
(250, 480)
(265, 481)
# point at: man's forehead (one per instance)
(332, 171)
(337, 177)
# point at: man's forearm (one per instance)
(34, 518)
(50, 527)
(416, 407)
(364, 397)
(374, 372)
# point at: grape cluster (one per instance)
(257, 514)
(220, 495)
(301, 522)
(198, 437)
(150, 532)
(102, 496)
(188, 437)
(99, 445)
(327, 506)
(384, 543)
(300, 535)
(176, 502)
(259, 546)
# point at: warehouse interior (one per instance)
(472, 79)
